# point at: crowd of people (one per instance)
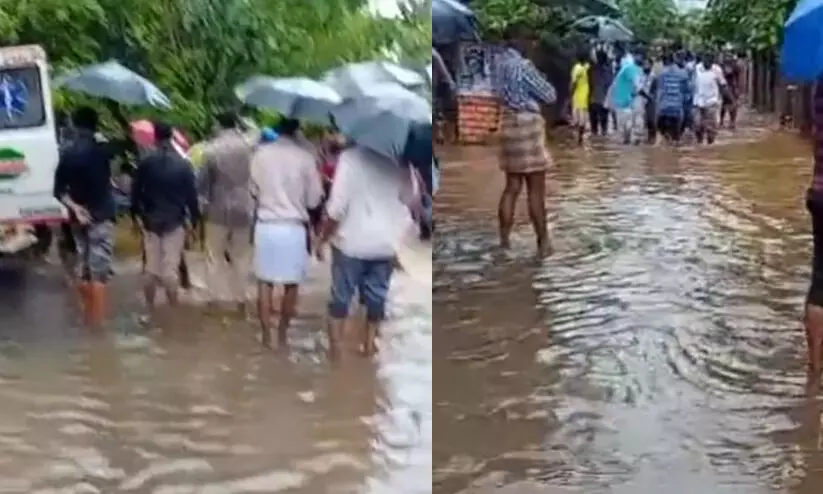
(646, 95)
(639, 94)
(260, 203)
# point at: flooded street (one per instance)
(659, 350)
(198, 408)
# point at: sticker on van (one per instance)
(12, 163)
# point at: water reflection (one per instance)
(658, 350)
(196, 407)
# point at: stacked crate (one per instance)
(478, 119)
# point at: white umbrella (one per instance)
(298, 97)
(115, 82)
(357, 79)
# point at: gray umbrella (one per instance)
(115, 82)
(297, 97)
(382, 119)
(356, 79)
(604, 28)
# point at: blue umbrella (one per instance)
(357, 79)
(115, 82)
(383, 119)
(452, 21)
(801, 58)
(299, 97)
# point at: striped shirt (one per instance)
(816, 190)
(521, 86)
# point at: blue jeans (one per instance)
(369, 277)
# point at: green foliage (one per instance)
(756, 25)
(198, 50)
(653, 20)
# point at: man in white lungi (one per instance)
(287, 186)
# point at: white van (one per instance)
(29, 150)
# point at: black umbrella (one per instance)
(452, 21)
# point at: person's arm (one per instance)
(574, 79)
(205, 180)
(339, 198)
(62, 192)
(137, 192)
(538, 86)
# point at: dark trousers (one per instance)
(599, 119)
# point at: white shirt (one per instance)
(367, 202)
(707, 83)
(285, 181)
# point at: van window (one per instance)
(21, 98)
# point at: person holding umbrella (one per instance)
(163, 201)
(801, 60)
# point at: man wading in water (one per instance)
(524, 156)
(814, 202)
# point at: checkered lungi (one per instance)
(523, 143)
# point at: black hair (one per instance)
(227, 119)
(163, 132)
(288, 127)
(602, 57)
(668, 59)
(86, 118)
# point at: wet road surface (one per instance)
(660, 348)
(198, 408)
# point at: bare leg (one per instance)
(370, 339)
(288, 309)
(150, 294)
(536, 188)
(506, 209)
(264, 309)
(335, 330)
(814, 338)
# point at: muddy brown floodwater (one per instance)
(197, 408)
(659, 350)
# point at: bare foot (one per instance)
(265, 339)
(368, 349)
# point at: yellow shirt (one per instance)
(580, 85)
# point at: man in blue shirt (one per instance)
(626, 87)
(672, 89)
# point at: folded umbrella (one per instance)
(383, 119)
(115, 82)
(801, 56)
(452, 21)
(357, 79)
(300, 98)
